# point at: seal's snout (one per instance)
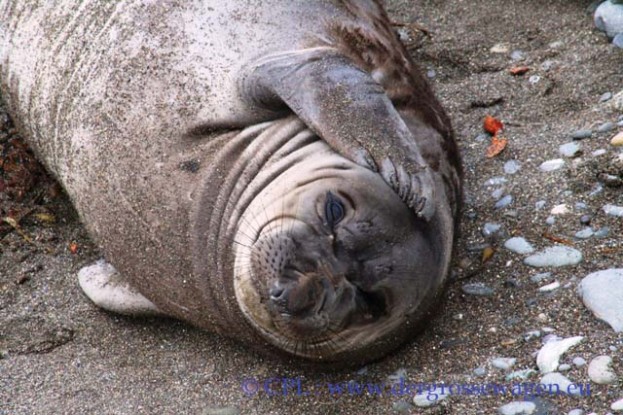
(300, 296)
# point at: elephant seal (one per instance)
(278, 172)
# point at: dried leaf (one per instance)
(73, 248)
(557, 239)
(45, 217)
(519, 70)
(487, 253)
(493, 125)
(497, 146)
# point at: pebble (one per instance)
(596, 190)
(585, 219)
(534, 79)
(550, 287)
(540, 277)
(576, 412)
(497, 193)
(555, 256)
(560, 382)
(519, 245)
(477, 288)
(599, 152)
(601, 293)
(480, 371)
(602, 232)
(532, 334)
(512, 167)
(580, 205)
(613, 210)
(548, 357)
(599, 371)
(613, 348)
(491, 229)
(564, 367)
(617, 405)
(426, 399)
(222, 411)
(402, 406)
(579, 362)
(606, 96)
(517, 408)
(540, 204)
(504, 202)
(562, 209)
(520, 375)
(500, 48)
(570, 149)
(550, 220)
(517, 55)
(496, 181)
(551, 165)
(609, 18)
(581, 134)
(618, 41)
(585, 233)
(548, 65)
(605, 127)
(431, 73)
(503, 363)
(617, 140)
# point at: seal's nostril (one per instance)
(275, 292)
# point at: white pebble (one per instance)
(549, 355)
(552, 165)
(517, 408)
(550, 287)
(599, 371)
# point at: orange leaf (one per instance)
(519, 70)
(496, 146)
(493, 125)
(73, 248)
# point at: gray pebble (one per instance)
(564, 367)
(550, 220)
(596, 190)
(477, 288)
(612, 348)
(551, 165)
(600, 372)
(517, 408)
(570, 149)
(602, 232)
(503, 363)
(609, 18)
(498, 193)
(618, 42)
(580, 205)
(579, 362)
(548, 65)
(517, 55)
(601, 293)
(534, 79)
(222, 411)
(402, 406)
(532, 334)
(605, 97)
(560, 382)
(504, 202)
(482, 137)
(431, 73)
(512, 167)
(555, 256)
(540, 204)
(613, 210)
(617, 405)
(491, 230)
(576, 412)
(585, 233)
(581, 134)
(520, 375)
(480, 371)
(540, 277)
(496, 181)
(426, 399)
(599, 152)
(585, 219)
(605, 127)
(519, 245)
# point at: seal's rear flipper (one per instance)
(107, 289)
(350, 111)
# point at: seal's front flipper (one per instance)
(349, 110)
(107, 289)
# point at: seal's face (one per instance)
(337, 262)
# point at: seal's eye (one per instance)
(333, 210)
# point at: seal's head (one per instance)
(333, 263)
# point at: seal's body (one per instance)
(275, 171)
